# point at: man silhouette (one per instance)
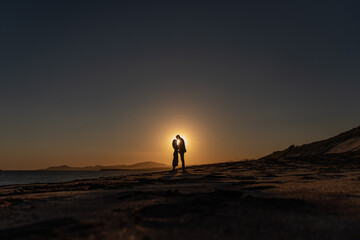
(182, 150)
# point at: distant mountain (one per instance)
(344, 143)
(136, 166)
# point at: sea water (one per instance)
(28, 177)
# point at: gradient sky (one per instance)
(113, 82)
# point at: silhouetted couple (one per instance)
(179, 147)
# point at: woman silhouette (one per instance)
(176, 154)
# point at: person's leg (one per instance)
(175, 160)
(182, 160)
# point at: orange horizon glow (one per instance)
(154, 145)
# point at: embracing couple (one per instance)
(179, 147)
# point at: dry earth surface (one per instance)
(293, 198)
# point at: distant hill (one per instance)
(136, 166)
(344, 143)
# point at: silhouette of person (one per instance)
(182, 150)
(175, 162)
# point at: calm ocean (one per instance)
(26, 177)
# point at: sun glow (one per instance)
(178, 140)
(182, 135)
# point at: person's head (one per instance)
(177, 136)
(174, 144)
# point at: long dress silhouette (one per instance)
(175, 162)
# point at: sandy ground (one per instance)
(259, 199)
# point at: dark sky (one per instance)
(112, 82)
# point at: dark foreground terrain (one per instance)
(294, 198)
